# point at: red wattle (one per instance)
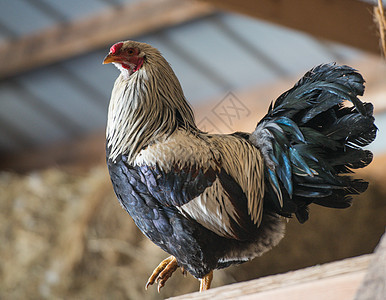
(138, 64)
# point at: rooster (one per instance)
(214, 200)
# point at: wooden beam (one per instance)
(341, 277)
(77, 154)
(67, 40)
(348, 22)
(373, 286)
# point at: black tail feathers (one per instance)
(311, 139)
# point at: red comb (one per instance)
(116, 47)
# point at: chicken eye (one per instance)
(130, 51)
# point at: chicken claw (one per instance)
(163, 272)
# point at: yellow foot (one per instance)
(206, 281)
(163, 272)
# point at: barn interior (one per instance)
(63, 233)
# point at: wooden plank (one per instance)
(345, 21)
(67, 40)
(374, 283)
(340, 287)
(334, 281)
(78, 154)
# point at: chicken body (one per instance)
(215, 200)
(212, 230)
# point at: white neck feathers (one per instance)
(146, 105)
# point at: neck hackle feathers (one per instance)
(146, 103)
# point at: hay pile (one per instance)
(380, 20)
(64, 236)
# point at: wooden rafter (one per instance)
(70, 39)
(345, 21)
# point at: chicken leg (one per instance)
(163, 272)
(206, 281)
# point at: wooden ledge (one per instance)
(334, 281)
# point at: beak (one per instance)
(109, 58)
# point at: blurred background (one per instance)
(62, 232)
